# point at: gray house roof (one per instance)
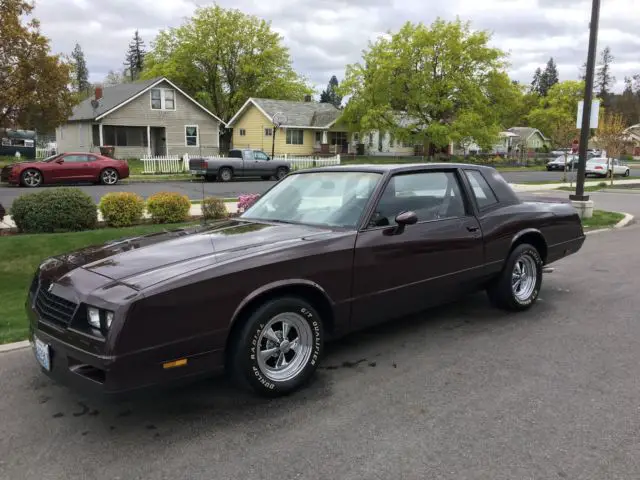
(118, 95)
(298, 114)
(111, 98)
(525, 132)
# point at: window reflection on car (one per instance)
(334, 199)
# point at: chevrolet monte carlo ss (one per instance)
(323, 253)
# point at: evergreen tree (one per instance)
(134, 59)
(549, 76)
(535, 83)
(604, 80)
(80, 70)
(330, 95)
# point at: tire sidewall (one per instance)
(519, 252)
(249, 344)
(221, 175)
(281, 173)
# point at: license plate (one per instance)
(42, 351)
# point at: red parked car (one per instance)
(65, 168)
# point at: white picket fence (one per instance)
(165, 164)
(300, 162)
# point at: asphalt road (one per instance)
(196, 189)
(460, 392)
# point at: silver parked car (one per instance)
(603, 167)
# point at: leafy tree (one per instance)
(134, 59)
(34, 90)
(431, 84)
(611, 137)
(331, 95)
(114, 77)
(222, 57)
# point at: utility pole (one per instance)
(586, 112)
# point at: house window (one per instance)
(191, 135)
(268, 132)
(318, 137)
(121, 136)
(243, 132)
(163, 99)
(295, 136)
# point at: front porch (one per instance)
(131, 141)
(329, 142)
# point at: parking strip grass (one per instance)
(601, 219)
(20, 255)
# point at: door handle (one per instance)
(472, 228)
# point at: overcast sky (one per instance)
(325, 35)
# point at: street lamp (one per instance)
(580, 198)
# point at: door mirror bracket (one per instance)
(402, 220)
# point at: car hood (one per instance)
(24, 163)
(142, 261)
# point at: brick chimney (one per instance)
(98, 93)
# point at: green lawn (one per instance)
(21, 254)
(601, 219)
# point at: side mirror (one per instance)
(403, 219)
(60, 161)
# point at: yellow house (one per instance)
(300, 128)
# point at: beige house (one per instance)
(527, 139)
(151, 117)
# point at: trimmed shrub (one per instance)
(245, 201)
(214, 208)
(168, 207)
(121, 209)
(56, 210)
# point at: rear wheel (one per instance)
(278, 348)
(519, 284)
(627, 172)
(225, 174)
(281, 173)
(31, 178)
(109, 176)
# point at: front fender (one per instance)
(278, 285)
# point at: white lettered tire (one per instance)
(278, 348)
(518, 286)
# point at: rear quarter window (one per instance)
(481, 189)
(235, 154)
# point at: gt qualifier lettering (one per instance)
(536, 291)
(254, 368)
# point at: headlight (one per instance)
(99, 319)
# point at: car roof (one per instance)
(394, 167)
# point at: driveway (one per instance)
(461, 392)
(196, 189)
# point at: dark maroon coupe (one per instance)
(322, 253)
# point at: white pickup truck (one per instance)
(239, 163)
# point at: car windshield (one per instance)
(333, 199)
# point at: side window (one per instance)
(248, 155)
(431, 195)
(73, 158)
(259, 156)
(481, 189)
(235, 154)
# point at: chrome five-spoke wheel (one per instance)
(109, 177)
(284, 346)
(523, 278)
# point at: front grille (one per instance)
(54, 309)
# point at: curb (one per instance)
(10, 347)
(628, 218)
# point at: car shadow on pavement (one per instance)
(166, 413)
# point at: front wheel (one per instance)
(519, 284)
(279, 347)
(627, 172)
(109, 176)
(31, 178)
